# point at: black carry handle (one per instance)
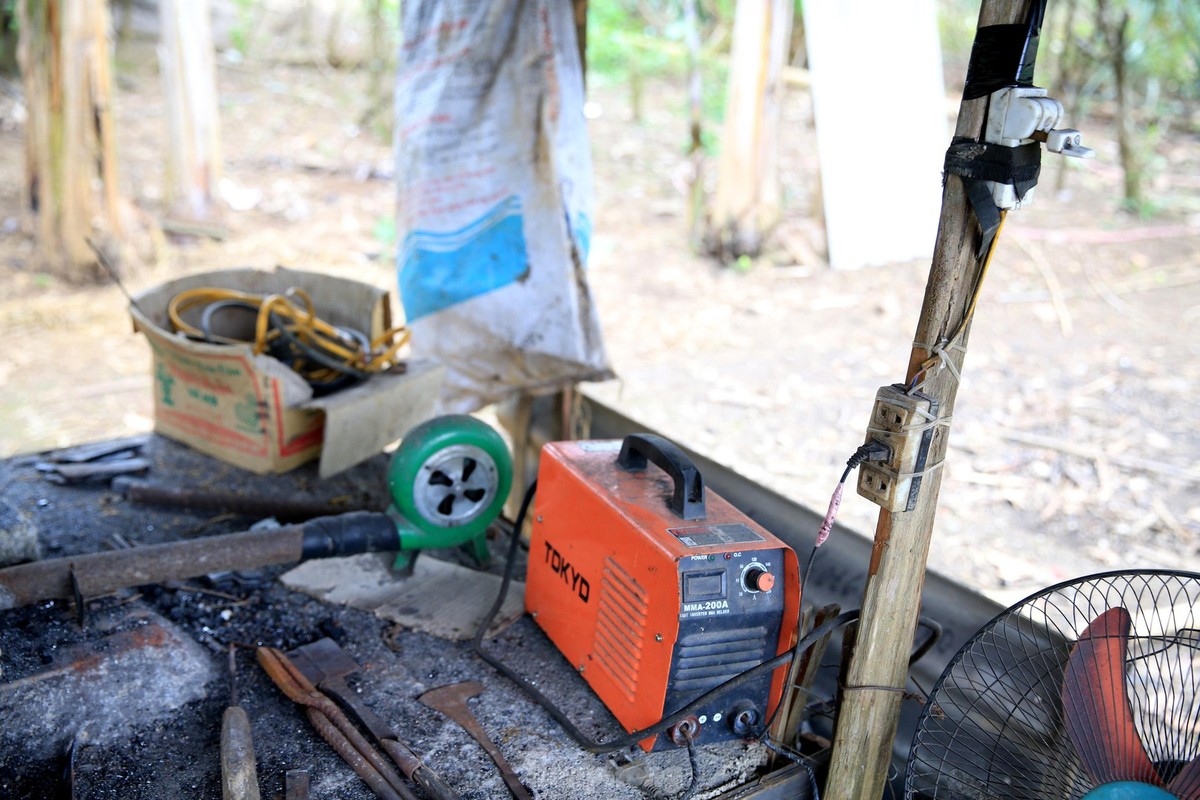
(687, 501)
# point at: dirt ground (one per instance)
(1075, 446)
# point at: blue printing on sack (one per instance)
(583, 236)
(438, 270)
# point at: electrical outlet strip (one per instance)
(905, 422)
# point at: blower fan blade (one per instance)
(1099, 718)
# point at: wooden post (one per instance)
(70, 189)
(193, 169)
(746, 204)
(870, 706)
(581, 18)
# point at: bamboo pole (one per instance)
(870, 706)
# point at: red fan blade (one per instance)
(1186, 785)
(1096, 704)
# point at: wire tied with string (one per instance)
(941, 358)
(942, 351)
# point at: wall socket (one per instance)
(903, 422)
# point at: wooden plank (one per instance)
(802, 675)
(870, 706)
(881, 126)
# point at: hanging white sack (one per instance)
(495, 198)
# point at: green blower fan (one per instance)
(448, 480)
(1089, 690)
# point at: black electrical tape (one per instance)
(983, 205)
(349, 535)
(977, 162)
(1004, 55)
(1018, 167)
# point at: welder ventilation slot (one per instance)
(713, 657)
(620, 626)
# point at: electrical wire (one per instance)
(666, 722)
(872, 450)
(795, 758)
(763, 735)
(694, 760)
(287, 327)
(969, 313)
(935, 634)
(983, 271)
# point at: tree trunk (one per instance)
(1116, 37)
(70, 189)
(185, 55)
(377, 66)
(746, 205)
(695, 214)
(1066, 85)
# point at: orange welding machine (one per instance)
(656, 590)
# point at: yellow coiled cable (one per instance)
(332, 349)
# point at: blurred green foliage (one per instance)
(243, 23)
(1136, 62)
(1162, 50)
(629, 41)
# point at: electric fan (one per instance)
(1088, 689)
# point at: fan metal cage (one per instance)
(994, 726)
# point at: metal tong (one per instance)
(326, 665)
(335, 727)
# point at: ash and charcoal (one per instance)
(130, 706)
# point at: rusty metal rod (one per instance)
(353, 758)
(334, 726)
(100, 573)
(95, 574)
(285, 509)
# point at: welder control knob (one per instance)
(757, 579)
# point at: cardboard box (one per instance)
(255, 412)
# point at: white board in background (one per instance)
(879, 100)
